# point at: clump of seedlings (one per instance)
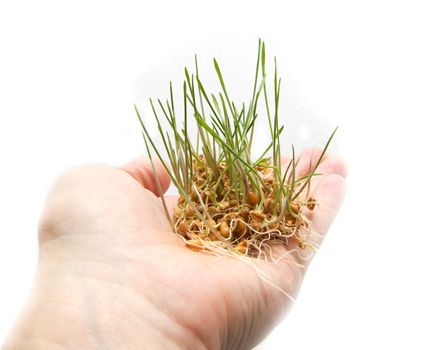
(230, 203)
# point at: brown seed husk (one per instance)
(189, 210)
(224, 229)
(295, 207)
(233, 203)
(257, 215)
(240, 228)
(194, 245)
(253, 198)
(311, 203)
(182, 227)
(176, 213)
(234, 222)
(242, 247)
(223, 205)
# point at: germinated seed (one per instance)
(253, 198)
(224, 229)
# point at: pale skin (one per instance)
(112, 275)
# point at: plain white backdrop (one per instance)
(71, 71)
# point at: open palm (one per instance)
(105, 235)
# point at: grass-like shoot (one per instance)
(230, 203)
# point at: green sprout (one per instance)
(229, 202)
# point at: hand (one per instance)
(112, 275)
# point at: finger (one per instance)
(307, 160)
(142, 171)
(333, 165)
(329, 193)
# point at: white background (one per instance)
(71, 71)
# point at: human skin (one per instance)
(112, 275)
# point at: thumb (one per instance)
(141, 170)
